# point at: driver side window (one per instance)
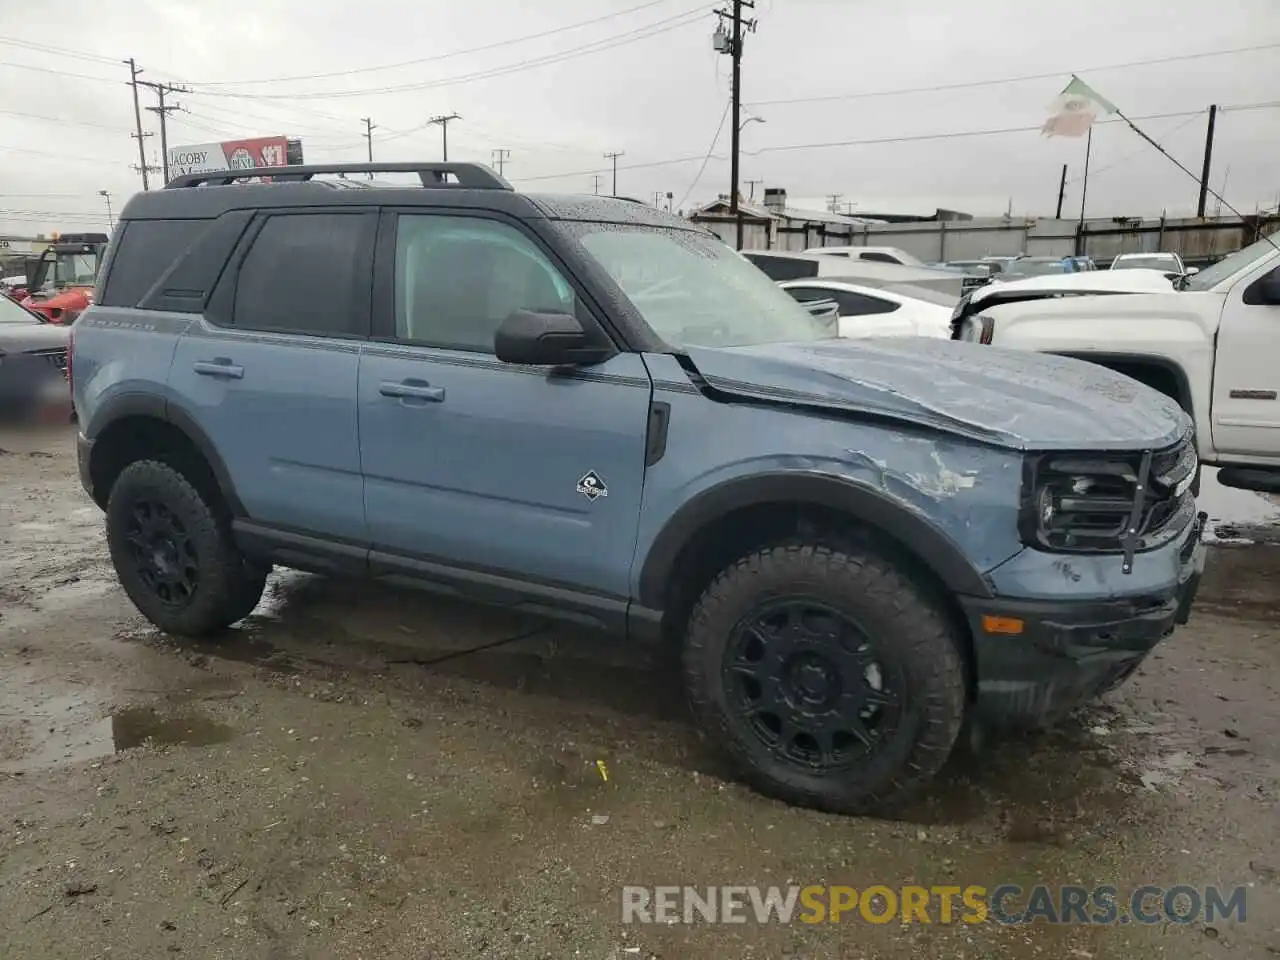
(458, 278)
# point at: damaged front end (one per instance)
(1114, 560)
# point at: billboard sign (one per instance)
(228, 155)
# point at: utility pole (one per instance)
(106, 195)
(833, 202)
(751, 186)
(1062, 192)
(163, 111)
(443, 121)
(137, 119)
(733, 46)
(1084, 193)
(595, 184)
(368, 136)
(614, 157)
(1208, 160)
(500, 157)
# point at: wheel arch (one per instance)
(932, 548)
(136, 424)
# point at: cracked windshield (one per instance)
(640, 480)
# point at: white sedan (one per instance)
(893, 311)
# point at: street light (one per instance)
(106, 195)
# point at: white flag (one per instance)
(1075, 109)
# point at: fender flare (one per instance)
(158, 408)
(935, 549)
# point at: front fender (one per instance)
(864, 504)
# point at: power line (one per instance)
(597, 46)
(913, 138)
(710, 150)
(969, 85)
(441, 56)
(63, 120)
(54, 70)
(60, 51)
(1139, 152)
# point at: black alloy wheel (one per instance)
(166, 558)
(805, 680)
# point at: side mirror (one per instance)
(1192, 271)
(546, 339)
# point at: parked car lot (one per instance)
(898, 311)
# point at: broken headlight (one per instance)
(1092, 504)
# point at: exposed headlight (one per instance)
(977, 329)
(1091, 504)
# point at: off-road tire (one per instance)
(902, 622)
(225, 584)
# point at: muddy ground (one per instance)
(340, 778)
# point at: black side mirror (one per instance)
(547, 339)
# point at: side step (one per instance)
(1262, 479)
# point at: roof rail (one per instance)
(475, 176)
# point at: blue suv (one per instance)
(586, 408)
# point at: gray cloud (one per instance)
(657, 98)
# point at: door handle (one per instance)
(221, 367)
(410, 389)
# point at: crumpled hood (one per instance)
(1011, 398)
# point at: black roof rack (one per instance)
(474, 176)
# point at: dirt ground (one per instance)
(348, 775)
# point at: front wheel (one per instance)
(174, 554)
(830, 677)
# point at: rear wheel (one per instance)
(174, 554)
(830, 677)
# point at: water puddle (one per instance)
(1237, 516)
(123, 730)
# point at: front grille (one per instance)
(1096, 504)
(56, 357)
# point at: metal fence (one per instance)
(1197, 241)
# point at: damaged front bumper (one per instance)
(1039, 659)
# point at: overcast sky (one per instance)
(650, 84)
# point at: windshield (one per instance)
(694, 290)
(74, 270)
(1145, 263)
(1231, 264)
(10, 312)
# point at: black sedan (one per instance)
(33, 366)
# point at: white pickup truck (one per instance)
(1211, 341)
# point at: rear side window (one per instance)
(860, 305)
(876, 257)
(307, 273)
(147, 249)
(784, 268)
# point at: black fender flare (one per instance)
(877, 510)
(158, 408)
